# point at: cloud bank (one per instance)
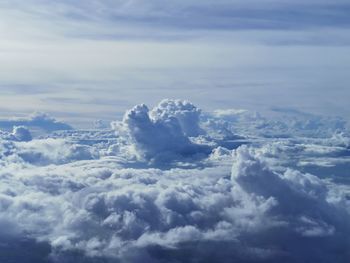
(91, 196)
(37, 120)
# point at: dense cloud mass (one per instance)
(162, 135)
(173, 184)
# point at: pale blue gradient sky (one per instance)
(86, 60)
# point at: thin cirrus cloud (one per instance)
(130, 19)
(75, 48)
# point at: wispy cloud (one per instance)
(142, 19)
(92, 48)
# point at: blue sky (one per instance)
(85, 60)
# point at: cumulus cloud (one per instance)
(280, 123)
(301, 203)
(185, 112)
(105, 211)
(21, 133)
(37, 120)
(43, 152)
(163, 133)
(53, 151)
(81, 196)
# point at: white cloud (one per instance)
(162, 135)
(83, 195)
(21, 133)
(36, 121)
(185, 112)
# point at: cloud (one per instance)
(53, 151)
(21, 133)
(37, 120)
(129, 214)
(185, 112)
(300, 202)
(286, 123)
(226, 15)
(59, 46)
(162, 135)
(82, 196)
(18, 149)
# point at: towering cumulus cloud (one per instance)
(185, 112)
(163, 133)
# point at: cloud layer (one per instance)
(37, 121)
(140, 192)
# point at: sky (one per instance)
(162, 131)
(88, 60)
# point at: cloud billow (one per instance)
(163, 133)
(70, 198)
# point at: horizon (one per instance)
(94, 59)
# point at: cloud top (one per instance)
(82, 196)
(163, 133)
